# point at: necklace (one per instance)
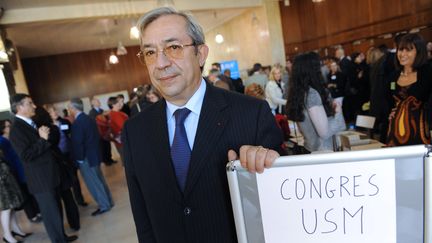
(403, 73)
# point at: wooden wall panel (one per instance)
(291, 22)
(62, 77)
(335, 22)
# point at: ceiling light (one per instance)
(286, 3)
(317, 1)
(415, 30)
(134, 33)
(121, 50)
(386, 36)
(113, 59)
(357, 42)
(219, 38)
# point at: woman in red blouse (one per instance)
(116, 121)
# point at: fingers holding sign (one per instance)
(254, 158)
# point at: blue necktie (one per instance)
(180, 150)
(33, 124)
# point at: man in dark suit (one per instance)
(105, 145)
(226, 79)
(65, 126)
(85, 151)
(238, 82)
(96, 108)
(141, 93)
(125, 107)
(348, 69)
(40, 167)
(175, 151)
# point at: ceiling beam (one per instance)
(59, 13)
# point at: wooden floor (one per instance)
(114, 226)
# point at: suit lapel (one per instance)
(211, 124)
(26, 126)
(161, 147)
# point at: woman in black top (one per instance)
(410, 87)
(336, 81)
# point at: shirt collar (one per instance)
(27, 120)
(194, 104)
(77, 114)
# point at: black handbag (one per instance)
(297, 149)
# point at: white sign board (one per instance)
(345, 202)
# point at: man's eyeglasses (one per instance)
(172, 51)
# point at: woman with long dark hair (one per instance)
(310, 105)
(410, 87)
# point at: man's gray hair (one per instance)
(77, 103)
(194, 29)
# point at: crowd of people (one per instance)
(176, 134)
(41, 153)
(324, 95)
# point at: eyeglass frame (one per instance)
(141, 54)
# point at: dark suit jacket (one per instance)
(40, 167)
(203, 213)
(85, 140)
(142, 103)
(389, 63)
(93, 112)
(347, 68)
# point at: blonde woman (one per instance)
(274, 90)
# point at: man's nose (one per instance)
(162, 61)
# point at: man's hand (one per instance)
(254, 158)
(44, 132)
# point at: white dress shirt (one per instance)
(27, 120)
(194, 104)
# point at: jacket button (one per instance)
(187, 211)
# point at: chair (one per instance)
(366, 122)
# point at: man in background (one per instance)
(125, 107)
(223, 78)
(213, 77)
(237, 82)
(85, 151)
(256, 75)
(40, 168)
(105, 145)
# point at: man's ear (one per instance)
(202, 54)
(18, 107)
